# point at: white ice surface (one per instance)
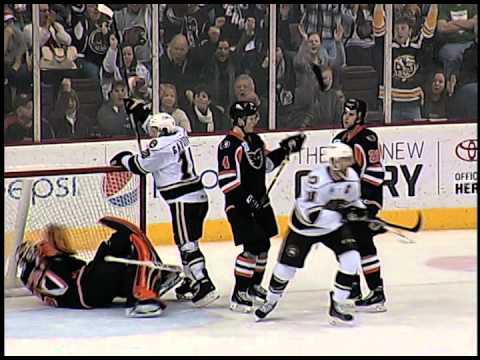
(431, 311)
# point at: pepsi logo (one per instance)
(467, 150)
(120, 188)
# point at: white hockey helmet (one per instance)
(340, 156)
(163, 121)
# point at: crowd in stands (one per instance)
(211, 55)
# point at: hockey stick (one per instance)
(149, 264)
(105, 10)
(279, 171)
(385, 223)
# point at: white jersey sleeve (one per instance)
(170, 160)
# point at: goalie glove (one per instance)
(293, 144)
(117, 159)
(138, 109)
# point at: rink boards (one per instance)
(429, 168)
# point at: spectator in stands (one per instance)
(112, 119)
(466, 88)
(455, 34)
(410, 60)
(204, 116)
(113, 70)
(91, 33)
(219, 73)
(324, 19)
(328, 104)
(169, 104)
(18, 126)
(14, 46)
(436, 99)
(190, 20)
(359, 34)
(135, 27)
(311, 52)
(285, 20)
(67, 119)
(244, 88)
(179, 67)
(54, 41)
(232, 18)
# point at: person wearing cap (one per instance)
(203, 114)
(243, 162)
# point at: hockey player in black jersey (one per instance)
(368, 165)
(243, 162)
(170, 161)
(52, 272)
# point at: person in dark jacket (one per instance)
(204, 115)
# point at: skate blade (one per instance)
(185, 297)
(337, 322)
(207, 299)
(376, 308)
(143, 312)
(240, 308)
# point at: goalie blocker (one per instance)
(50, 270)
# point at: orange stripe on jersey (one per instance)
(358, 154)
(371, 270)
(224, 172)
(238, 154)
(233, 186)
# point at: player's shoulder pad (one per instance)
(369, 135)
(229, 142)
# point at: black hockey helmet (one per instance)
(360, 106)
(241, 109)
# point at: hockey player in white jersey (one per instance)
(169, 159)
(329, 200)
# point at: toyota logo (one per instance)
(467, 150)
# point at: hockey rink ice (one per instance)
(431, 290)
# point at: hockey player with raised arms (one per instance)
(169, 159)
(329, 201)
(52, 272)
(243, 161)
(368, 166)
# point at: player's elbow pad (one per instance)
(277, 156)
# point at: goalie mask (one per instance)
(163, 122)
(354, 107)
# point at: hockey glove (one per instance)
(353, 213)
(117, 159)
(138, 109)
(293, 144)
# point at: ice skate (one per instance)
(262, 312)
(257, 293)
(204, 293)
(184, 292)
(373, 302)
(241, 302)
(146, 308)
(337, 315)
